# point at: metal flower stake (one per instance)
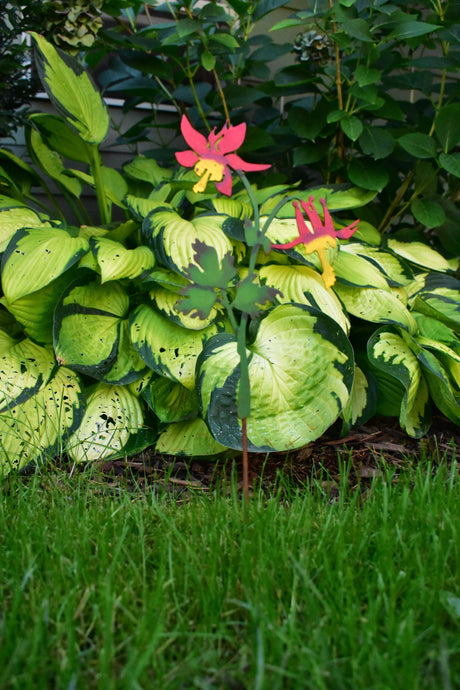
(211, 158)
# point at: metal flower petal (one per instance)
(213, 157)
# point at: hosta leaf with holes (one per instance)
(37, 428)
(88, 325)
(72, 92)
(169, 304)
(24, 368)
(191, 438)
(440, 299)
(301, 373)
(14, 218)
(362, 403)
(128, 366)
(170, 401)
(389, 352)
(304, 285)
(172, 238)
(36, 257)
(420, 254)
(112, 414)
(117, 262)
(396, 271)
(170, 350)
(36, 311)
(375, 305)
(445, 398)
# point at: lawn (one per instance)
(110, 588)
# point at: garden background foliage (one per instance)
(121, 331)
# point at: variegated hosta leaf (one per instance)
(304, 285)
(166, 301)
(37, 428)
(172, 238)
(51, 163)
(446, 398)
(170, 350)
(24, 368)
(390, 353)
(36, 257)
(171, 401)
(362, 403)
(141, 207)
(89, 335)
(128, 366)
(147, 170)
(301, 374)
(116, 262)
(356, 271)
(376, 305)
(440, 299)
(420, 254)
(72, 92)
(392, 267)
(14, 218)
(191, 438)
(36, 311)
(232, 207)
(112, 414)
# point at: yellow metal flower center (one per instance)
(207, 169)
(319, 245)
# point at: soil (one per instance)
(369, 451)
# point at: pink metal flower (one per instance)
(211, 158)
(319, 237)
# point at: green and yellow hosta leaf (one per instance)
(303, 285)
(88, 323)
(362, 403)
(117, 262)
(301, 373)
(72, 92)
(52, 164)
(393, 268)
(172, 238)
(191, 438)
(357, 271)
(439, 298)
(36, 257)
(445, 397)
(376, 305)
(112, 415)
(171, 401)
(24, 368)
(420, 254)
(390, 353)
(128, 366)
(14, 218)
(166, 302)
(170, 350)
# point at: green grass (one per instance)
(134, 591)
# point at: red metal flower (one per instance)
(211, 158)
(319, 237)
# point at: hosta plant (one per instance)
(202, 311)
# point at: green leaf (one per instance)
(24, 368)
(376, 305)
(428, 212)
(447, 126)
(207, 270)
(376, 142)
(303, 285)
(411, 28)
(208, 61)
(36, 257)
(451, 163)
(418, 145)
(300, 371)
(252, 297)
(171, 401)
(367, 75)
(59, 137)
(359, 29)
(88, 325)
(147, 170)
(352, 127)
(191, 438)
(117, 262)
(197, 310)
(393, 268)
(112, 414)
(170, 350)
(368, 175)
(363, 401)
(440, 299)
(263, 7)
(355, 270)
(420, 254)
(72, 92)
(390, 353)
(226, 40)
(51, 163)
(14, 218)
(440, 386)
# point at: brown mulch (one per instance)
(367, 452)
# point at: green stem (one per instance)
(190, 77)
(96, 170)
